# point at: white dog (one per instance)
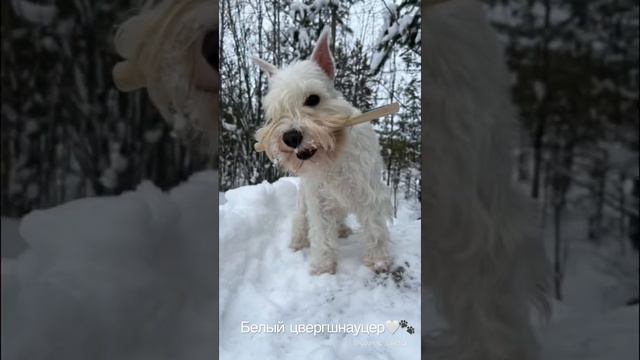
(483, 262)
(340, 169)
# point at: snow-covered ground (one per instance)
(263, 282)
(126, 277)
(612, 335)
(12, 242)
(593, 322)
(129, 277)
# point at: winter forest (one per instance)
(67, 132)
(575, 82)
(370, 73)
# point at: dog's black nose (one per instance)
(292, 138)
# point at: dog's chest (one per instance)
(334, 194)
(353, 179)
(339, 188)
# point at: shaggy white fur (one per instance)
(170, 48)
(340, 169)
(484, 262)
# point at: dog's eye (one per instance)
(312, 100)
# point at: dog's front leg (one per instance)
(300, 229)
(323, 233)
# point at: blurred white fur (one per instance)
(485, 264)
(340, 169)
(163, 51)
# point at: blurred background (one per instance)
(86, 274)
(67, 132)
(574, 68)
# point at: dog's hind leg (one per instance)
(376, 234)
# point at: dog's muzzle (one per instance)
(305, 154)
(293, 139)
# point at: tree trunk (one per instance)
(557, 257)
(538, 140)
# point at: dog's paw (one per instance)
(344, 231)
(382, 266)
(325, 267)
(299, 242)
(379, 262)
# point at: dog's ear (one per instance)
(267, 67)
(322, 54)
(128, 77)
(205, 66)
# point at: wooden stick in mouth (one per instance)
(355, 120)
(373, 114)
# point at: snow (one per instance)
(376, 59)
(404, 22)
(511, 14)
(153, 136)
(263, 282)
(539, 89)
(109, 178)
(125, 277)
(36, 13)
(117, 164)
(297, 8)
(613, 335)
(81, 86)
(50, 44)
(12, 243)
(129, 277)
(303, 36)
(391, 23)
(228, 126)
(31, 127)
(32, 191)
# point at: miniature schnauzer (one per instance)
(340, 168)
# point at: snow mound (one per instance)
(263, 282)
(126, 277)
(12, 243)
(613, 335)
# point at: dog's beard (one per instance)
(318, 163)
(322, 128)
(318, 151)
